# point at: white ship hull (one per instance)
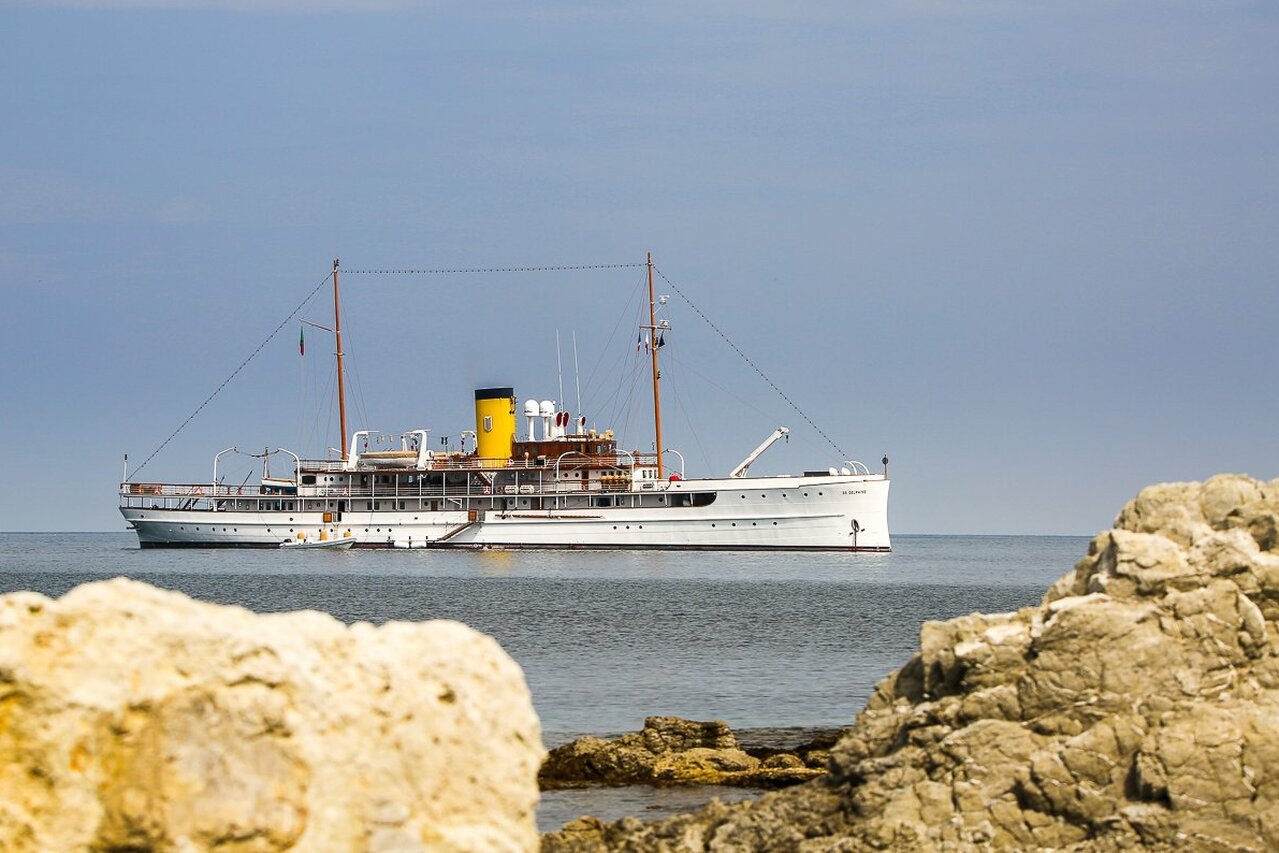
(826, 513)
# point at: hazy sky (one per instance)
(1028, 250)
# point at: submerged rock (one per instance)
(1138, 704)
(133, 718)
(675, 751)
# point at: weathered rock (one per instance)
(133, 718)
(675, 751)
(1137, 705)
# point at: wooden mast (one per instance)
(337, 331)
(652, 344)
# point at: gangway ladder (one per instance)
(472, 519)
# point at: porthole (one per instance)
(290, 529)
(819, 494)
(805, 494)
(752, 524)
(734, 523)
(712, 524)
(290, 518)
(774, 523)
(743, 497)
(763, 496)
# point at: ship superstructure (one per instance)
(559, 485)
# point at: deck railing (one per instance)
(473, 463)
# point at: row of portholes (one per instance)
(765, 497)
(628, 527)
(268, 530)
(734, 524)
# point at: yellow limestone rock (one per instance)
(1136, 706)
(137, 718)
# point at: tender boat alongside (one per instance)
(338, 544)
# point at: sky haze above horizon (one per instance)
(1027, 250)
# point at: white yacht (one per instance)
(556, 485)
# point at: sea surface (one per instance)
(762, 641)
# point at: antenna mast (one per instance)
(337, 331)
(652, 345)
(577, 380)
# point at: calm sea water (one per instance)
(607, 638)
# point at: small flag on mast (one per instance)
(639, 342)
(301, 340)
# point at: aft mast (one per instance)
(652, 346)
(337, 331)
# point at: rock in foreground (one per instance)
(675, 751)
(1138, 704)
(133, 718)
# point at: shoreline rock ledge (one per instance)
(1136, 705)
(133, 718)
(676, 751)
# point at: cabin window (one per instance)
(603, 501)
(308, 479)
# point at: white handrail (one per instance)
(681, 460)
(557, 471)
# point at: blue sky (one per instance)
(1028, 250)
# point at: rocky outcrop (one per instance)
(133, 718)
(675, 751)
(1138, 704)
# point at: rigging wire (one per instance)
(327, 278)
(617, 365)
(461, 271)
(753, 365)
(679, 401)
(357, 384)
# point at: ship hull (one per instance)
(827, 513)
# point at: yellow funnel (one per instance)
(494, 425)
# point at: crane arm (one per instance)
(745, 464)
